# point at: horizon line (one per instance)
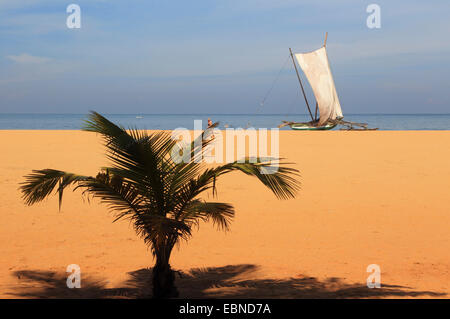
(213, 114)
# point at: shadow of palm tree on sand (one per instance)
(217, 282)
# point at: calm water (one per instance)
(168, 122)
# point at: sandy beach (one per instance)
(379, 197)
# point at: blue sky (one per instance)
(207, 56)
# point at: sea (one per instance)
(389, 122)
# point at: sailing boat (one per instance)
(328, 112)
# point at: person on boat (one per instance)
(210, 124)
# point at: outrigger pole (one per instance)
(301, 85)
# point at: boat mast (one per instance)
(301, 85)
(315, 113)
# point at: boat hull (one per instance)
(309, 127)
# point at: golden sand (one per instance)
(374, 197)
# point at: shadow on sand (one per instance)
(217, 282)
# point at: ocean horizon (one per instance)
(64, 121)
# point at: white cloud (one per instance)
(25, 58)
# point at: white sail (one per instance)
(317, 70)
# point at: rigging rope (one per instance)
(261, 104)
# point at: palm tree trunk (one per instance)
(164, 276)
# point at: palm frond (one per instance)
(136, 156)
(40, 184)
(156, 229)
(220, 214)
(275, 175)
(283, 182)
(121, 196)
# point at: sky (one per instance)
(220, 56)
